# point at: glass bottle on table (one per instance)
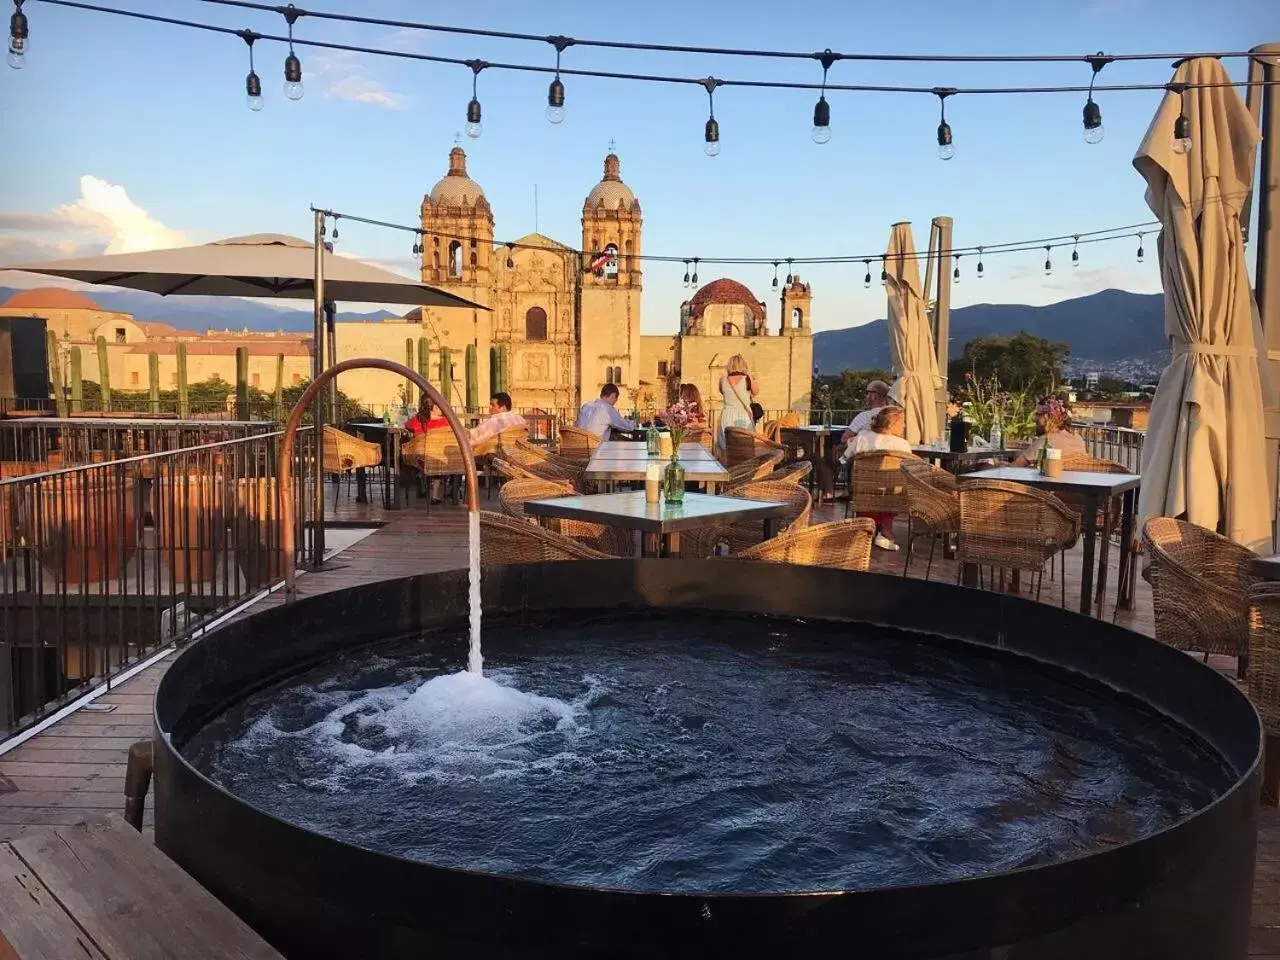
(651, 443)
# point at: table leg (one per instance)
(650, 545)
(1090, 546)
(1128, 560)
(671, 544)
(362, 488)
(1104, 561)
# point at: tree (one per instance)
(1023, 362)
(848, 390)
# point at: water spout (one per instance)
(475, 661)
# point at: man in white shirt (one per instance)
(877, 397)
(601, 414)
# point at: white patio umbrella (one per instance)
(260, 265)
(911, 340)
(1203, 458)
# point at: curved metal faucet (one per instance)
(285, 465)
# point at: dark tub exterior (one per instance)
(1182, 894)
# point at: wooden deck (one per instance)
(74, 770)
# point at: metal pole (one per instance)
(1267, 240)
(942, 312)
(331, 355)
(317, 406)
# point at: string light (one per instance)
(1075, 251)
(946, 149)
(511, 263)
(866, 281)
(1048, 265)
(252, 84)
(884, 272)
(955, 274)
(292, 65)
(417, 251)
(474, 127)
(821, 132)
(790, 277)
(1093, 129)
(694, 281)
(712, 131)
(19, 32)
(1140, 251)
(335, 226)
(775, 274)
(686, 273)
(555, 92)
(980, 263)
(1182, 125)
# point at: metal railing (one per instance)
(102, 564)
(40, 444)
(1118, 444)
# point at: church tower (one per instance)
(611, 280)
(796, 300)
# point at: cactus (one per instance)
(408, 352)
(424, 357)
(473, 379)
(277, 402)
(55, 374)
(77, 381)
(153, 381)
(104, 374)
(184, 403)
(446, 374)
(242, 383)
(494, 385)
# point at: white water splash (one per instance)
(475, 662)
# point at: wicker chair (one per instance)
(1199, 587)
(933, 509)
(1010, 526)
(757, 468)
(504, 539)
(494, 446)
(845, 544)
(876, 484)
(740, 535)
(1264, 678)
(610, 540)
(434, 454)
(739, 446)
(795, 472)
(541, 462)
(576, 444)
(344, 453)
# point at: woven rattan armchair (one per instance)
(576, 444)
(794, 472)
(739, 446)
(434, 454)
(344, 453)
(1010, 526)
(740, 535)
(504, 539)
(515, 493)
(933, 509)
(757, 468)
(1199, 588)
(845, 544)
(541, 462)
(876, 483)
(1264, 678)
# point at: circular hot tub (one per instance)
(691, 759)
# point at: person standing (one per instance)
(601, 414)
(737, 390)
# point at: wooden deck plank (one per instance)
(33, 922)
(134, 902)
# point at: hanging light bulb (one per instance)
(1182, 125)
(1141, 253)
(711, 133)
(252, 83)
(694, 281)
(555, 92)
(1093, 129)
(474, 127)
(979, 271)
(946, 149)
(866, 281)
(1048, 264)
(821, 132)
(955, 274)
(1075, 252)
(417, 251)
(884, 273)
(775, 274)
(335, 228)
(292, 65)
(790, 278)
(19, 32)
(686, 273)
(510, 260)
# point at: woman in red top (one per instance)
(424, 421)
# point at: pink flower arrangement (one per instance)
(1055, 413)
(677, 417)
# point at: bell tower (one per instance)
(796, 301)
(457, 238)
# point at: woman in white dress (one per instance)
(736, 390)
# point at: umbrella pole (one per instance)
(331, 355)
(1266, 110)
(317, 405)
(942, 312)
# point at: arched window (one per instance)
(611, 264)
(535, 324)
(727, 329)
(455, 259)
(435, 264)
(797, 316)
(613, 375)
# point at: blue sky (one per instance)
(123, 132)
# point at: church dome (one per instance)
(455, 188)
(49, 298)
(611, 192)
(725, 291)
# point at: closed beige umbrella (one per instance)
(1203, 458)
(261, 265)
(910, 340)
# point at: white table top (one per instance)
(627, 460)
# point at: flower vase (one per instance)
(673, 480)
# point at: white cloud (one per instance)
(341, 75)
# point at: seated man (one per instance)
(601, 415)
(886, 432)
(501, 418)
(877, 397)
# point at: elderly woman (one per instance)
(887, 432)
(1053, 429)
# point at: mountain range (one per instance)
(1103, 327)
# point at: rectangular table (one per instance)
(622, 460)
(951, 460)
(660, 524)
(1097, 489)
